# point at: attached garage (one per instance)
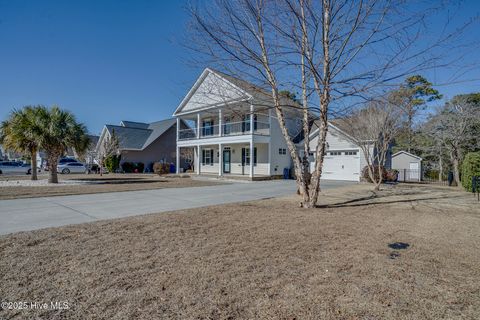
(343, 160)
(340, 165)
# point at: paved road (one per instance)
(37, 213)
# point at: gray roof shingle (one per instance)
(137, 135)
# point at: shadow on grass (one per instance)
(113, 181)
(355, 202)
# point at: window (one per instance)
(246, 122)
(227, 127)
(282, 151)
(246, 156)
(335, 153)
(350, 153)
(207, 157)
(208, 127)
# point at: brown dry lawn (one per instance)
(266, 259)
(109, 183)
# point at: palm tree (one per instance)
(20, 133)
(59, 130)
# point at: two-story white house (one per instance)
(233, 128)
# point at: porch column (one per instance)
(269, 156)
(198, 125)
(199, 158)
(178, 128)
(251, 158)
(220, 159)
(251, 119)
(196, 163)
(220, 121)
(177, 167)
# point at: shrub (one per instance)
(112, 162)
(388, 175)
(130, 167)
(432, 174)
(139, 166)
(161, 168)
(392, 175)
(470, 168)
(127, 167)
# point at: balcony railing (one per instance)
(185, 134)
(228, 129)
(209, 131)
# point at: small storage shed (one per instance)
(408, 165)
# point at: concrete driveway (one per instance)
(37, 213)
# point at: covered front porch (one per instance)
(233, 159)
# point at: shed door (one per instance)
(414, 171)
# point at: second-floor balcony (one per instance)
(225, 129)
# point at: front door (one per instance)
(226, 161)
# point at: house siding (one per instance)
(162, 149)
(278, 162)
(403, 160)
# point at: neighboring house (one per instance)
(143, 142)
(409, 166)
(234, 126)
(344, 159)
(91, 152)
(9, 155)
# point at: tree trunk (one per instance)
(456, 172)
(33, 156)
(378, 183)
(52, 167)
(440, 169)
(314, 187)
(409, 132)
(324, 103)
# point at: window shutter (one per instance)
(211, 157)
(203, 157)
(255, 156)
(243, 156)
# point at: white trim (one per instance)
(244, 138)
(407, 153)
(178, 160)
(194, 88)
(220, 159)
(352, 139)
(102, 135)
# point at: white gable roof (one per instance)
(406, 153)
(211, 90)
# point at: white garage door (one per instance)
(341, 165)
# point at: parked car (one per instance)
(61, 161)
(67, 160)
(71, 167)
(15, 167)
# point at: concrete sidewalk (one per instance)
(36, 213)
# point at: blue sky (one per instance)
(114, 60)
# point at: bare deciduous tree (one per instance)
(109, 147)
(456, 127)
(337, 52)
(373, 129)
